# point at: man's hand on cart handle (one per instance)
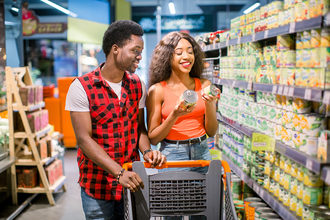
(154, 157)
(131, 180)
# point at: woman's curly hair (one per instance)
(160, 67)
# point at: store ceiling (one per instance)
(148, 7)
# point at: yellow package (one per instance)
(307, 39)
(299, 40)
(315, 57)
(325, 37)
(301, 11)
(316, 38)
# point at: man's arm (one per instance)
(153, 157)
(82, 125)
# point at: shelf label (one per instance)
(291, 91)
(308, 94)
(292, 27)
(239, 40)
(326, 97)
(233, 84)
(253, 37)
(249, 86)
(266, 34)
(309, 164)
(262, 142)
(227, 42)
(274, 89)
(280, 90)
(286, 90)
(327, 178)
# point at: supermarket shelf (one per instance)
(285, 29)
(236, 83)
(3, 108)
(274, 203)
(28, 161)
(6, 163)
(37, 134)
(30, 107)
(325, 175)
(311, 163)
(54, 188)
(245, 130)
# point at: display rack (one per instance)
(311, 163)
(15, 78)
(273, 202)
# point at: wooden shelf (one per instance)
(54, 188)
(38, 134)
(27, 160)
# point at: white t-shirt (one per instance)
(77, 100)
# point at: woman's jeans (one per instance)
(198, 151)
(101, 209)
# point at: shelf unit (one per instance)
(16, 77)
(311, 163)
(273, 202)
(312, 94)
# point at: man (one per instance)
(106, 108)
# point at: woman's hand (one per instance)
(182, 109)
(155, 157)
(210, 98)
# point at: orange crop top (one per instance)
(190, 125)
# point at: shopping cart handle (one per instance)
(169, 164)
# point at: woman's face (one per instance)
(183, 57)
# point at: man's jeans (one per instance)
(101, 209)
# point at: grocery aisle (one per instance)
(68, 204)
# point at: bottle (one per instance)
(211, 90)
(189, 97)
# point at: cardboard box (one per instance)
(27, 177)
(54, 171)
(27, 95)
(42, 149)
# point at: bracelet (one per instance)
(120, 174)
(147, 151)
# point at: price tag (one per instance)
(249, 86)
(326, 97)
(280, 90)
(227, 42)
(266, 34)
(291, 91)
(233, 84)
(308, 94)
(253, 37)
(274, 89)
(292, 27)
(309, 164)
(239, 40)
(286, 91)
(327, 177)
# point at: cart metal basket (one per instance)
(181, 193)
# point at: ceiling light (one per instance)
(251, 8)
(171, 7)
(60, 8)
(14, 10)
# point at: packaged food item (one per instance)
(325, 37)
(301, 105)
(323, 150)
(189, 97)
(315, 38)
(313, 195)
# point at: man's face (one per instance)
(130, 54)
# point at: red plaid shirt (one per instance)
(114, 128)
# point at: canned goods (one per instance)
(312, 195)
(236, 187)
(262, 210)
(189, 97)
(309, 212)
(211, 90)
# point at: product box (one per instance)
(42, 149)
(27, 177)
(54, 171)
(323, 150)
(27, 95)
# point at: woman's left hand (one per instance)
(209, 98)
(155, 157)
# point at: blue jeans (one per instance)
(101, 209)
(198, 151)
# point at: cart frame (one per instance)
(181, 193)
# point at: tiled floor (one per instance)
(68, 204)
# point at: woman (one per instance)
(176, 66)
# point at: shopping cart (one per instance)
(181, 193)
